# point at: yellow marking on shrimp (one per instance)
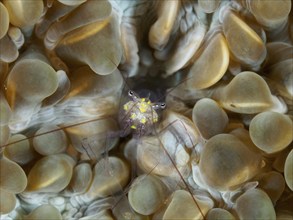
(143, 120)
(133, 116)
(140, 112)
(125, 107)
(143, 106)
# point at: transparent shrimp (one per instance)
(139, 114)
(140, 118)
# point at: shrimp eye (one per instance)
(163, 105)
(130, 93)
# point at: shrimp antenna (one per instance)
(175, 87)
(123, 77)
(149, 95)
(176, 168)
(53, 130)
(181, 177)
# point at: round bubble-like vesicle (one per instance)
(255, 204)
(81, 179)
(12, 177)
(246, 93)
(193, 208)
(24, 13)
(19, 149)
(271, 131)
(4, 20)
(147, 194)
(8, 201)
(109, 177)
(50, 174)
(273, 183)
(44, 212)
(209, 117)
(219, 214)
(288, 171)
(50, 140)
(226, 162)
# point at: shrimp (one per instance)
(139, 116)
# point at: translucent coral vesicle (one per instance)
(246, 93)
(84, 46)
(4, 17)
(210, 66)
(245, 45)
(24, 13)
(270, 13)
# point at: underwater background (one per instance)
(139, 109)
